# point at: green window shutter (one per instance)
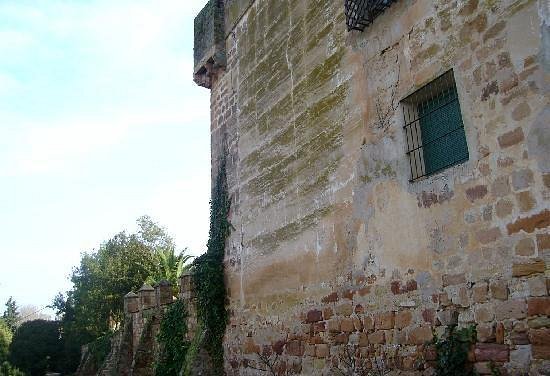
(442, 131)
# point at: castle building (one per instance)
(388, 165)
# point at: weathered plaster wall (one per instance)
(332, 243)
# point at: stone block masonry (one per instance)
(334, 251)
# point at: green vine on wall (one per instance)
(208, 273)
(452, 351)
(172, 340)
(100, 348)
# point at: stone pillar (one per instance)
(163, 292)
(131, 303)
(186, 286)
(146, 297)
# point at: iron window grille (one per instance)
(361, 13)
(433, 127)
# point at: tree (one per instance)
(94, 307)
(5, 340)
(11, 315)
(31, 312)
(36, 347)
(169, 266)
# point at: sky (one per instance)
(100, 123)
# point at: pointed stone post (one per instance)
(146, 296)
(131, 303)
(164, 293)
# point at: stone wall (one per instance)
(135, 349)
(333, 245)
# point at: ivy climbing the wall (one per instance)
(172, 340)
(452, 351)
(208, 274)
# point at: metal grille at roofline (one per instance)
(361, 13)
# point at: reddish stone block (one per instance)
(364, 291)
(530, 224)
(479, 293)
(511, 138)
(341, 338)
(488, 236)
(538, 306)
(420, 335)
(430, 353)
(403, 319)
(525, 247)
(319, 327)
(485, 352)
(540, 352)
(543, 241)
(314, 315)
(278, 347)
(322, 351)
(363, 339)
(453, 279)
(344, 309)
(368, 323)
(357, 323)
(539, 336)
(334, 325)
(519, 338)
(309, 350)
(331, 298)
(385, 320)
(412, 285)
(327, 313)
(485, 333)
(499, 290)
(395, 287)
(250, 347)
(346, 325)
(348, 294)
(295, 348)
(499, 333)
(511, 309)
(476, 193)
(429, 316)
(378, 337)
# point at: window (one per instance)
(434, 130)
(361, 13)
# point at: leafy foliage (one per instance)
(95, 305)
(5, 340)
(171, 339)
(36, 347)
(100, 348)
(7, 369)
(169, 266)
(11, 315)
(208, 273)
(452, 351)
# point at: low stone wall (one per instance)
(134, 349)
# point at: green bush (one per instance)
(36, 347)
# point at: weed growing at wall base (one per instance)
(452, 351)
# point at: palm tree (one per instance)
(170, 265)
